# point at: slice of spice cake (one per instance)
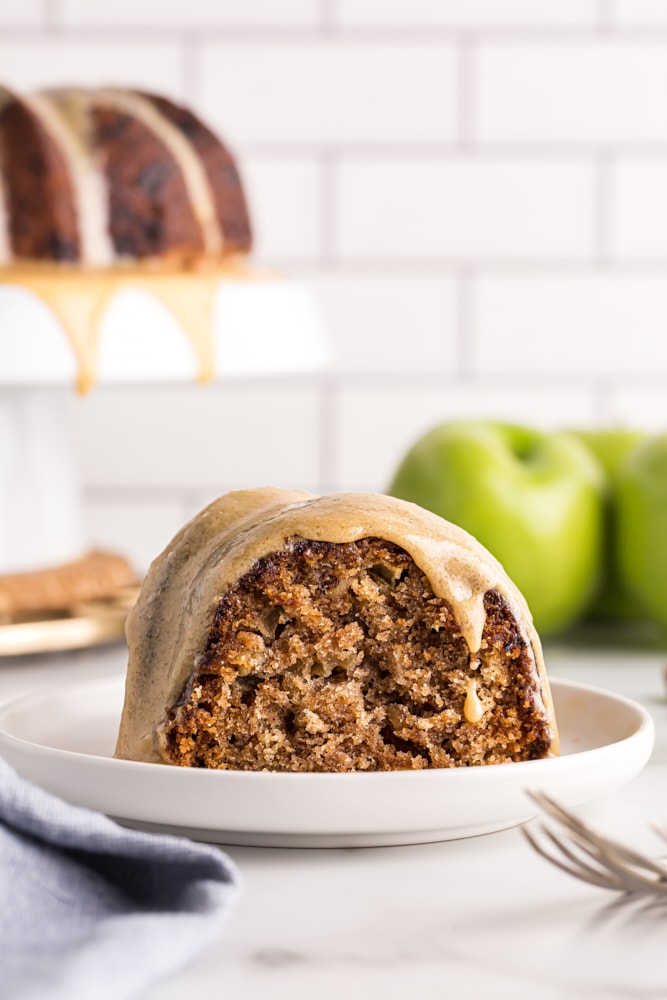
(286, 632)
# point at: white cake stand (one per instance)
(261, 326)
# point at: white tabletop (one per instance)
(477, 918)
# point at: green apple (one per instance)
(612, 448)
(535, 500)
(641, 526)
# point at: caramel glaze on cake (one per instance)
(281, 631)
(111, 176)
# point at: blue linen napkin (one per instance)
(90, 910)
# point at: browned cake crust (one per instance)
(94, 576)
(221, 171)
(339, 657)
(38, 192)
(149, 209)
(104, 175)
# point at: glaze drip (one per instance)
(79, 300)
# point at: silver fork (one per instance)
(588, 855)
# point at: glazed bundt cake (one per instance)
(283, 631)
(105, 191)
(111, 176)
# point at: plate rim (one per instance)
(645, 730)
(321, 809)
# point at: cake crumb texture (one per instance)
(339, 657)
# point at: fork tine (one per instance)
(576, 825)
(597, 849)
(614, 866)
(630, 878)
(560, 813)
(591, 878)
(609, 879)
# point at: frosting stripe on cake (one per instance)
(109, 175)
(194, 176)
(220, 168)
(64, 114)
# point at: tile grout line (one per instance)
(466, 80)
(52, 15)
(602, 402)
(328, 29)
(556, 267)
(465, 321)
(328, 207)
(190, 67)
(370, 380)
(328, 433)
(328, 20)
(606, 15)
(603, 209)
(427, 149)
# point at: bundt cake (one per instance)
(283, 631)
(105, 191)
(110, 176)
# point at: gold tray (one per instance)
(78, 627)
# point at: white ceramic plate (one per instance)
(63, 741)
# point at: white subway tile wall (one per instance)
(284, 198)
(573, 91)
(476, 191)
(466, 13)
(189, 14)
(329, 93)
(374, 434)
(464, 209)
(390, 322)
(58, 59)
(27, 12)
(639, 208)
(645, 13)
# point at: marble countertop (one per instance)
(483, 917)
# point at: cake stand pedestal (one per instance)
(41, 511)
(138, 334)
